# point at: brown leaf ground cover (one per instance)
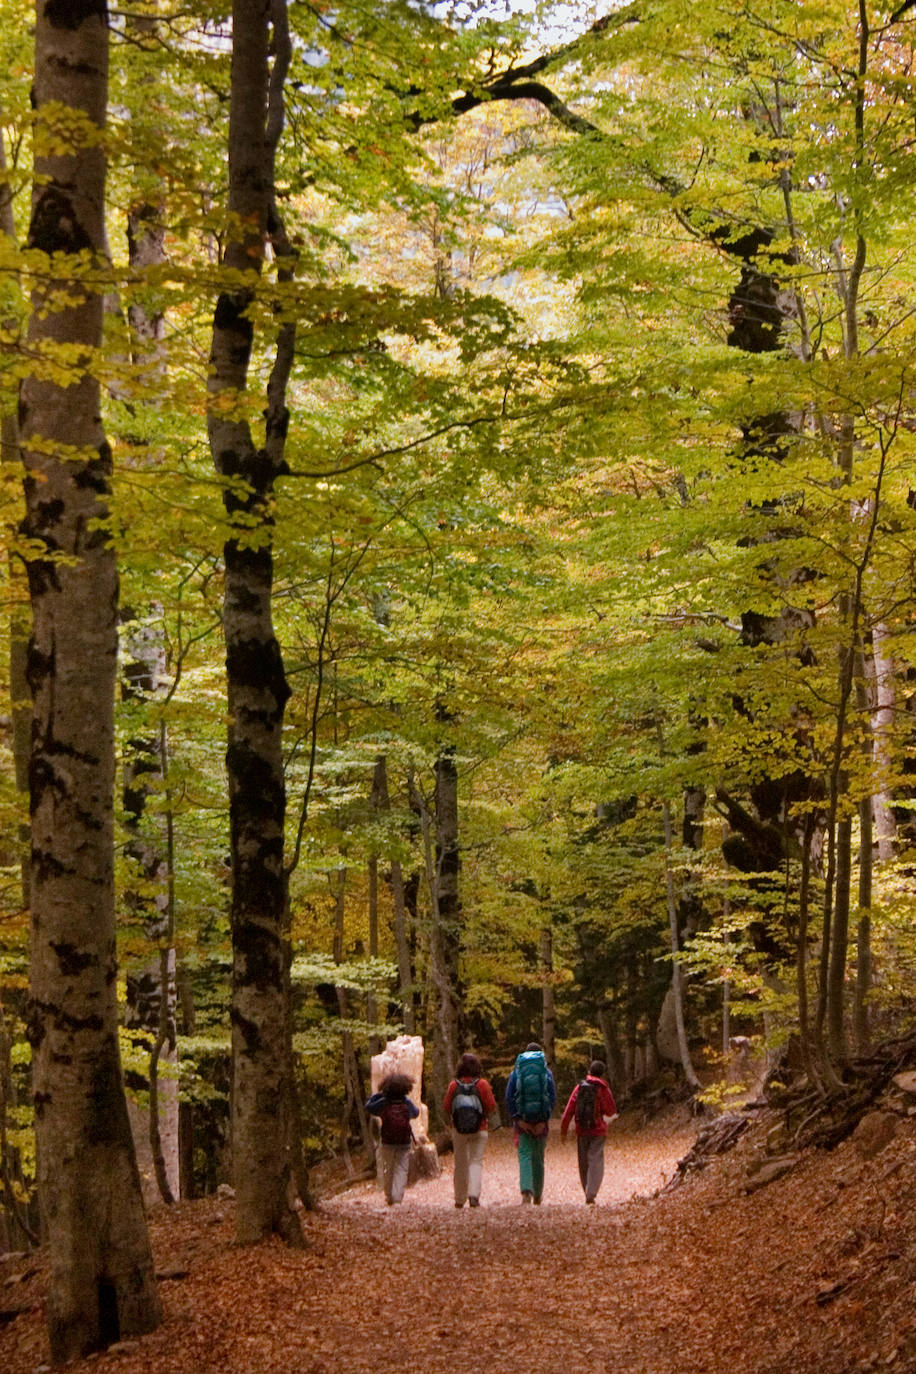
(814, 1272)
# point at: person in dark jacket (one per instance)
(395, 1111)
(469, 1146)
(590, 1136)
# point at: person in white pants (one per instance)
(468, 1102)
(395, 1111)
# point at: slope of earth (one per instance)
(816, 1272)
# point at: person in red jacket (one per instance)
(598, 1108)
(469, 1126)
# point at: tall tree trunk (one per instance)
(608, 1025)
(257, 689)
(377, 800)
(839, 942)
(883, 733)
(548, 1002)
(353, 1103)
(801, 949)
(445, 937)
(102, 1283)
(18, 593)
(151, 993)
(382, 800)
(677, 975)
(863, 932)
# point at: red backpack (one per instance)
(395, 1118)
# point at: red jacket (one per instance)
(487, 1100)
(604, 1106)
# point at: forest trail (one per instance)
(815, 1272)
(638, 1161)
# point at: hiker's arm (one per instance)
(487, 1100)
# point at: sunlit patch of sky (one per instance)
(553, 22)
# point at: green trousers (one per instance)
(531, 1163)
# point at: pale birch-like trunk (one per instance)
(18, 597)
(399, 902)
(151, 1001)
(102, 1284)
(883, 736)
(677, 973)
(151, 993)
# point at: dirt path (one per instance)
(637, 1162)
(815, 1273)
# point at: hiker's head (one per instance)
(597, 1068)
(533, 1048)
(396, 1085)
(469, 1067)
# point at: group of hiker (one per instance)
(470, 1105)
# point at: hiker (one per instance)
(591, 1105)
(531, 1096)
(395, 1111)
(468, 1102)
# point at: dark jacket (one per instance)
(376, 1107)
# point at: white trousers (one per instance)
(395, 1160)
(468, 1164)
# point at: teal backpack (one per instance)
(531, 1096)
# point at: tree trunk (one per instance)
(607, 1024)
(102, 1285)
(839, 943)
(883, 733)
(151, 994)
(548, 1002)
(257, 689)
(863, 933)
(446, 927)
(353, 1103)
(18, 596)
(399, 902)
(677, 977)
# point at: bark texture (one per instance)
(445, 936)
(102, 1284)
(256, 682)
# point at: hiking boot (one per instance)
(473, 1201)
(537, 1202)
(590, 1201)
(526, 1195)
(459, 1204)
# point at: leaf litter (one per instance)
(815, 1271)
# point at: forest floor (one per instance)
(815, 1272)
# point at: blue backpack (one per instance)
(532, 1098)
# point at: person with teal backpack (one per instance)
(531, 1096)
